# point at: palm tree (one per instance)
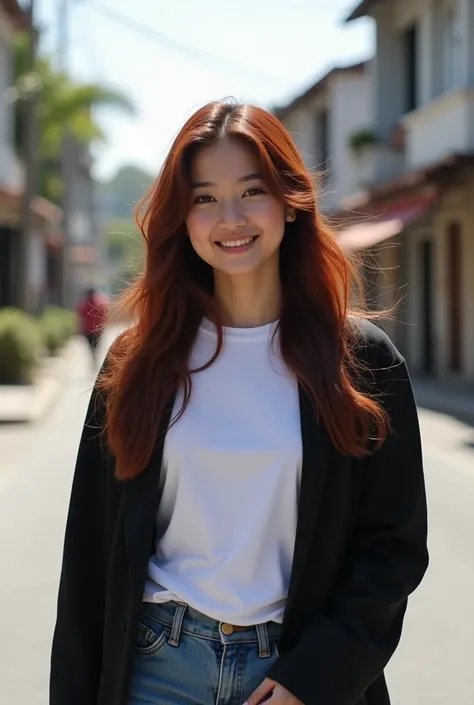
(61, 101)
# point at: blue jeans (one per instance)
(183, 657)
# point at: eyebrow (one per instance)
(248, 177)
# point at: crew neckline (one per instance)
(257, 333)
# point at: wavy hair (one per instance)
(148, 363)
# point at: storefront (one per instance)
(417, 248)
(45, 245)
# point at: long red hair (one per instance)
(149, 361)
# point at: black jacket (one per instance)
(360, 551)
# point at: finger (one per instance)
(264, 689)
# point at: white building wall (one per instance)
(351, 110)
(349, 100)
(444, 127)
(300, 125)
(8, 170)
(387, 71)
(443, 123)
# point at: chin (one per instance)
(238, 269)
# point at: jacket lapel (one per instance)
(316, 444)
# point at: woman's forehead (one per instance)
(227, 160)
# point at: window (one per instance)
(455, 298)
(322, 139)
(450, 46)
(410, 55)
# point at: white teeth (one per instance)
(236, 243)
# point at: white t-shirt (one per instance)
(230, 482)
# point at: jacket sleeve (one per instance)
(343, 650)
(77, 641)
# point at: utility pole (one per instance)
(30, 156)
(66, 166)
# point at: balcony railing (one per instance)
(378, 160)
(443, 127)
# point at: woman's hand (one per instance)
(272, 693)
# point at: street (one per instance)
(433, 665)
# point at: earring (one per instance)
(290, 217)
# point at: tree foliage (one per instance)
(61, 101)
(126, 252)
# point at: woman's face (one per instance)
(235, 224)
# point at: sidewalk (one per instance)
(29, 403)
(449, 398)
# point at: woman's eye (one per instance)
(203, 199)
(254, 191)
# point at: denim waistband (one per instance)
(181, 618)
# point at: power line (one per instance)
(175, 45)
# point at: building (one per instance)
(44, 252)
(45, 242)
(11, 19)
(418, 194)
(325, 120)
(49, 281)
(85, 268)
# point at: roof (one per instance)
(410, 180)
(283, 111)
(362, 9)
(388, 221)
(17, 14)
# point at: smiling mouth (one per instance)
(237, 245)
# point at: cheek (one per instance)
(199, 226)
(270, 215)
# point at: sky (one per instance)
(260, 51)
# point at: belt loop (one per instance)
(263, 641)
(177, 624)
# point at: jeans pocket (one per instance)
(150, 636)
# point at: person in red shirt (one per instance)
(92, 312)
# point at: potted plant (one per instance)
(361, 139)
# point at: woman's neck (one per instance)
(247, 301)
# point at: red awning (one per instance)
(384, 224)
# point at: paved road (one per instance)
(434, 664)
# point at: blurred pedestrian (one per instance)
(251, 520)
(92, 312)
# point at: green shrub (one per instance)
(362, 138)
(20, 346)
(53, 332)
(58, 325)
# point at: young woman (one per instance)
(248, 510)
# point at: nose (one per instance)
(232, 215)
